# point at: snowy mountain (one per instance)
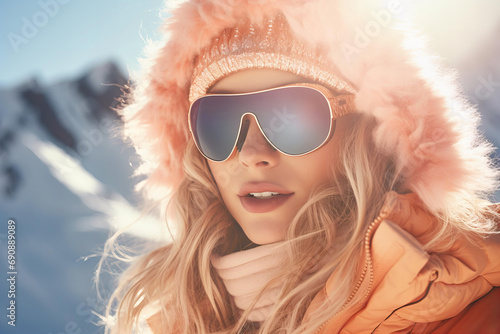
(480, 77)
(65, 179)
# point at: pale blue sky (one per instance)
(79, 34)
(86, 32)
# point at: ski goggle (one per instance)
(295, 119)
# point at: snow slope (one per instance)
(65, 178)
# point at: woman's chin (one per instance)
(262, 238)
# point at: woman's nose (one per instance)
(255, 149)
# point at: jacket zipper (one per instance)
(367, 268)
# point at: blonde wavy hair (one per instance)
(325, 236)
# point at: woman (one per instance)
(318, 184)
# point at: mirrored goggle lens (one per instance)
(296, 120)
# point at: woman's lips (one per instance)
(254, 204)
(257, 205)
(260, 187)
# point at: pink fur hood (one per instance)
(423, 120)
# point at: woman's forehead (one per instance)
(253, 80)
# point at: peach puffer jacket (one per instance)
(405, 289)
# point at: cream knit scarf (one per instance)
(247, 272)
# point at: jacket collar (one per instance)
(401, 279)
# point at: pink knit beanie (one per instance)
(422, 119)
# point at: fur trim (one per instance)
(422, 119)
